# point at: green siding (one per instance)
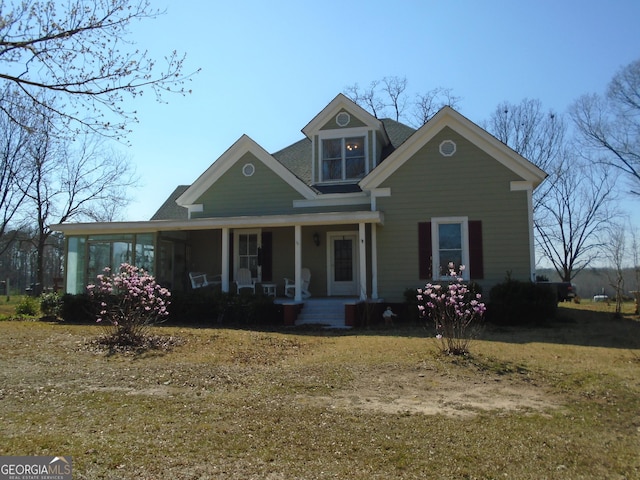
(471, 184)
(233, 194)
(332, 125)
(379, 146)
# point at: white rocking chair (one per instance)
(244, 280)
(201, 280)
(290, 285)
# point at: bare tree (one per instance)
(577, 201)
(14, 177)
(611, 123)
(367, 98)
(635, 257)
(394, 88)
(390, 98)
(427, 104)
(78, 52)
(534, 133)
(73, 181)
(572, 218)
(615, 252)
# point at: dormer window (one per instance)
(343, 158)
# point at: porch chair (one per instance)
(290, 285)
(244, 280)
(201, 280)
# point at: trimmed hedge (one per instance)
(206, 307)
(521, 303)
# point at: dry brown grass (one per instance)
(559, 402)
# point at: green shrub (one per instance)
(248, 308)
(209, 306)
(194, 307)
(411, 305)
(50, 304)
(521, 303)
(28, 306)
(77, 309)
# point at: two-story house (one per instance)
(370, 207)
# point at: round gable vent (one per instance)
(248, 170)
(447, 148)
(343, 119)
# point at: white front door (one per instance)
(343, 260)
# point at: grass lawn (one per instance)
(561, 402)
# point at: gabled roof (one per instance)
(218, 168)
(448, 117)
(339, 103)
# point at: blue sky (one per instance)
(269, 67)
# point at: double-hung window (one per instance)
(247, 246)
(343, 158)
(450, 243)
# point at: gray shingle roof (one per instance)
(170, 210)
(397, 132)
(297, 158)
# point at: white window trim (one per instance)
(343, 133)
(236, 249)
(435, 245)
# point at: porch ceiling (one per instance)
(261, 221)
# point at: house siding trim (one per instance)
(528, 188)
(334, 200)
(303, 219)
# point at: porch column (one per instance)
(298, 262)
(225, 259)
(374, 262)
(362, 245)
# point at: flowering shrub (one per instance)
(129, 302)
(455, 310)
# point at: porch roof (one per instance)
(260, 221)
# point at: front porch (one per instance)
(339, 249)
(341, 255)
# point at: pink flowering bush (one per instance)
(455, 310)
(129, 302)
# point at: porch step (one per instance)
(324, 311)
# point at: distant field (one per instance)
(560, 402)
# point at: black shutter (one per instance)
(267, 257)
(476, 267)
(231, 272)
(424, 250)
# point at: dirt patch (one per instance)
(398, 392)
